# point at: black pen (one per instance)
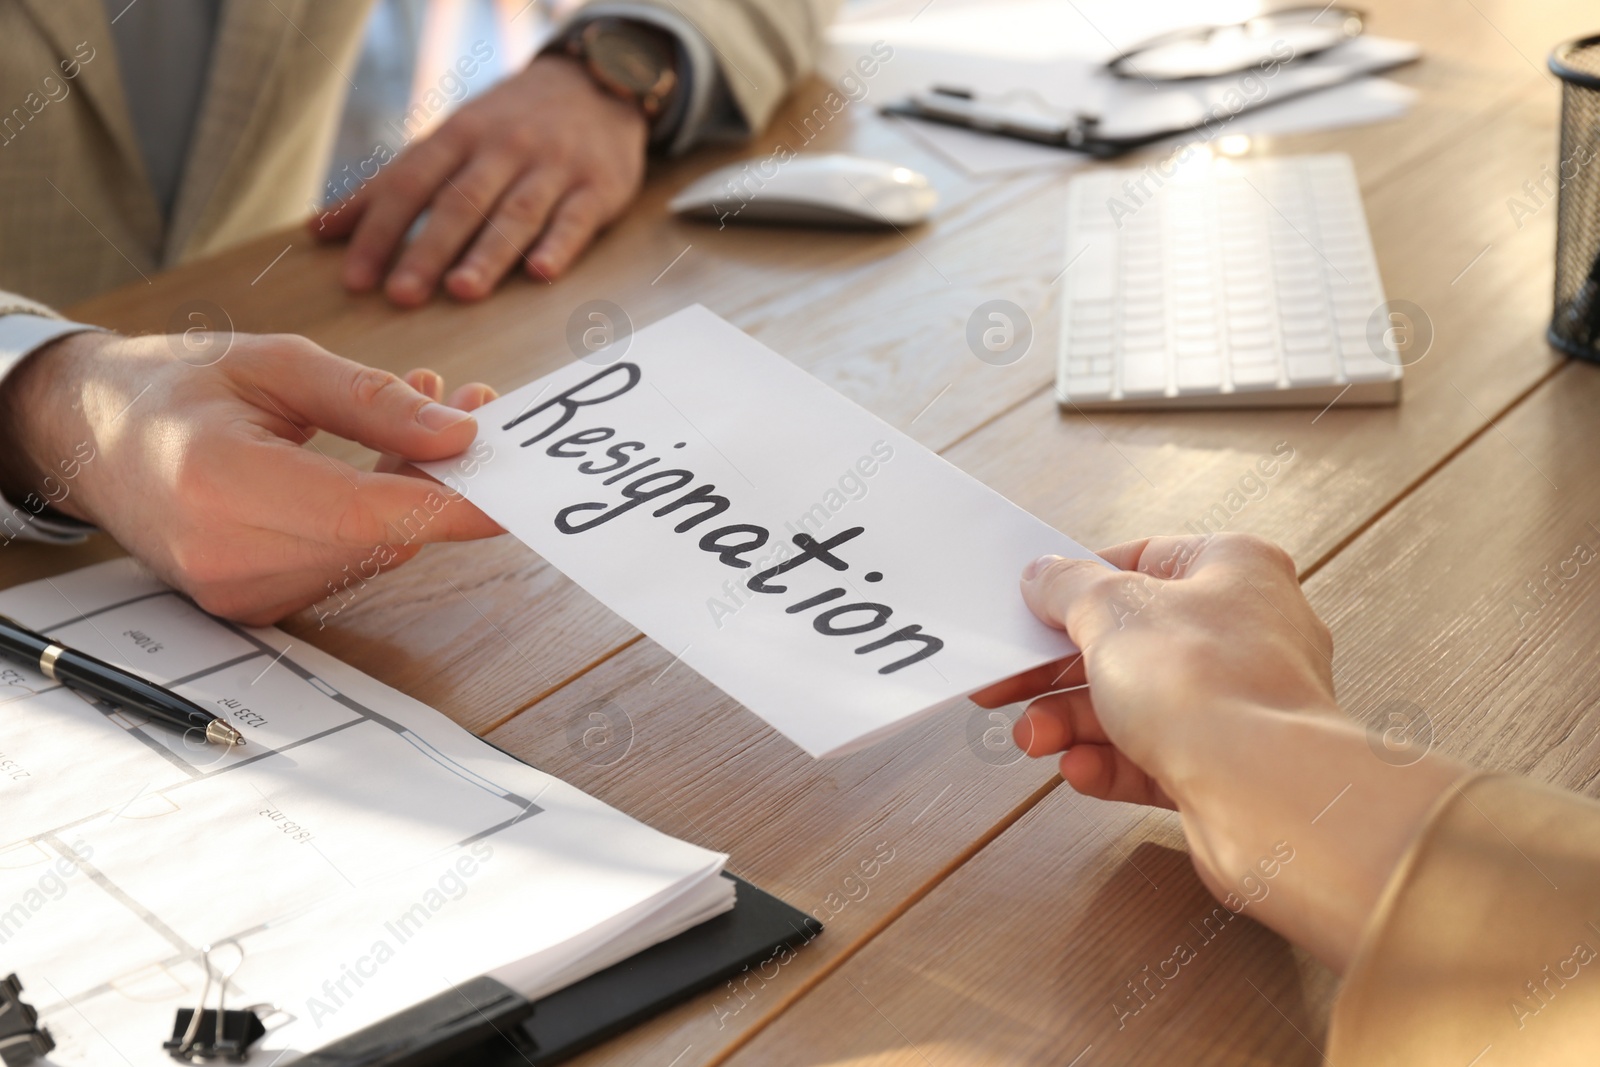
(100, 679)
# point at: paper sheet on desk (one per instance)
(1030, 29)
(1051, 56)
(815, 563)
(1358, 103)
(363, 851)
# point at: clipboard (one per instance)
(485, 1023)
(476, 1021)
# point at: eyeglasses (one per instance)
(1281, 36)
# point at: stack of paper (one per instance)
(1049, 56)
(363, 851)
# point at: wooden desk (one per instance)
(1011, 912)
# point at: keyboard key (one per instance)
(1294, 256)
(1347, 277)
(1091, 275)
(1092, 310)
(1257, 355)
(1144, 374)
(1196, 349)
(1300, 344)
(1144, 342)
(1255, 375)
(1305, 324)
(1199, 375)
(1080, 347)
(1250, 339)
(1353, 309)
(1354, 341)
(1295, 310)
(1352, 335)
(1299, 276)
(1301, 294)
(1310, 370)
(1084, 367)
(1085, 387)
(1369, 370)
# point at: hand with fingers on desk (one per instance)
(526, 174)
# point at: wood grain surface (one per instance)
(1003, 916)
(1433, 620)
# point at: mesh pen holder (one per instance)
(1575, 325)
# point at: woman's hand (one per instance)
(1205, 684)
(204, 473)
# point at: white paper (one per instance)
(1131, 107)
(1357, 103)
(926, 560)
(1045, 56)
(1033, 29)
(364, 851)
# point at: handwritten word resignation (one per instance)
(643, 480)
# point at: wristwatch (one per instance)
(630, 60)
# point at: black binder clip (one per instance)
(22, 1039)
(231, 1033)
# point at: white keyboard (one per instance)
(1237, 283)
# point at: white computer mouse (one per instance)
(810, 190)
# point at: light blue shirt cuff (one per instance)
(705, 109)
(23, 334)
(20, 336)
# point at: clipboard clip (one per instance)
(22, 1039)
(231, 1033)
(1033, 120)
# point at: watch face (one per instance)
(632, 63)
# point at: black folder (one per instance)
(483, 1022)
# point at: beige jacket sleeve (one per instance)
(258, 154)
(763, 47)
(1485, 949)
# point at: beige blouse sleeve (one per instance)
(1485, 948)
